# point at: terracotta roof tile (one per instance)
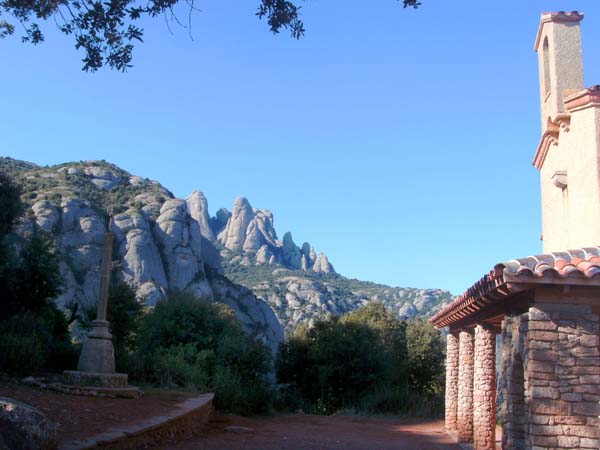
(577, 264)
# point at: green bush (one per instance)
(34, 341)
(367, 360)
(333, 365)
(391, 399)
(20, 354)
(190, 343)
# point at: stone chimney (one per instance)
(568, 156)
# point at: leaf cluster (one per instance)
(107, 30)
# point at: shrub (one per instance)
(390, 399)
(367, 360)
(21, 354)
(32, 341)
(333, 365)
(187, 342)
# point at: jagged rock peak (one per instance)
(219, 222)
(159, 243)
(291, 253)
(197, 206)
(233, 236)
(322, 265)
(248, 229)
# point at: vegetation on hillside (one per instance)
(70, 180)
(34, 333)
(342, 294)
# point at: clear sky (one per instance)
(399, 142)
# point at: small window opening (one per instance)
(546, 57)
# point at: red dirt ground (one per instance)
(305, 432)
(80, 416)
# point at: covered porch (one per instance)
(546, 310)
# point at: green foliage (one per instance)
(333, 365)
(10, 203)
(356, 360)
(35, 340)
(34, 333)
(107, 31)
(31, 278)
(185, 342)
(425, 346)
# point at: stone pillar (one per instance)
(484, 390)
(465, 387)
(451, 381)
(562, 373)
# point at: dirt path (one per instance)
(304, 432)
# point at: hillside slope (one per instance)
(163, 243)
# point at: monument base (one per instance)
(95, 379)
(102, 384)
(98, 353)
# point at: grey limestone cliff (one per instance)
(161, 242)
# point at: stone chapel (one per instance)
(547, 307)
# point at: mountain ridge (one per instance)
(164, 242)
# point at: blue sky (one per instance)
(398, 142)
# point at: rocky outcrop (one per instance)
(180, 241)
(23, 427)
(249, 238)
(247, 229)
(291, 253)
(322, 265)
(141, 261)
(219, 222)
(159, 240)
(253, 313)
(197, 206)
(163, 243)
(299, 297)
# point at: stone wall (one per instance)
(451, 381)
(563, 376)
(551, 378)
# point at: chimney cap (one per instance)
(557, 17)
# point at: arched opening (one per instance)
(546, 57)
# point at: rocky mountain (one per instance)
(246, 236)
(163, 243)
(159, 245)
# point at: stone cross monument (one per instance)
(96, 368)
(97, 354)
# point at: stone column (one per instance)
(484, 389)
(451, 381)
(465, 387)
